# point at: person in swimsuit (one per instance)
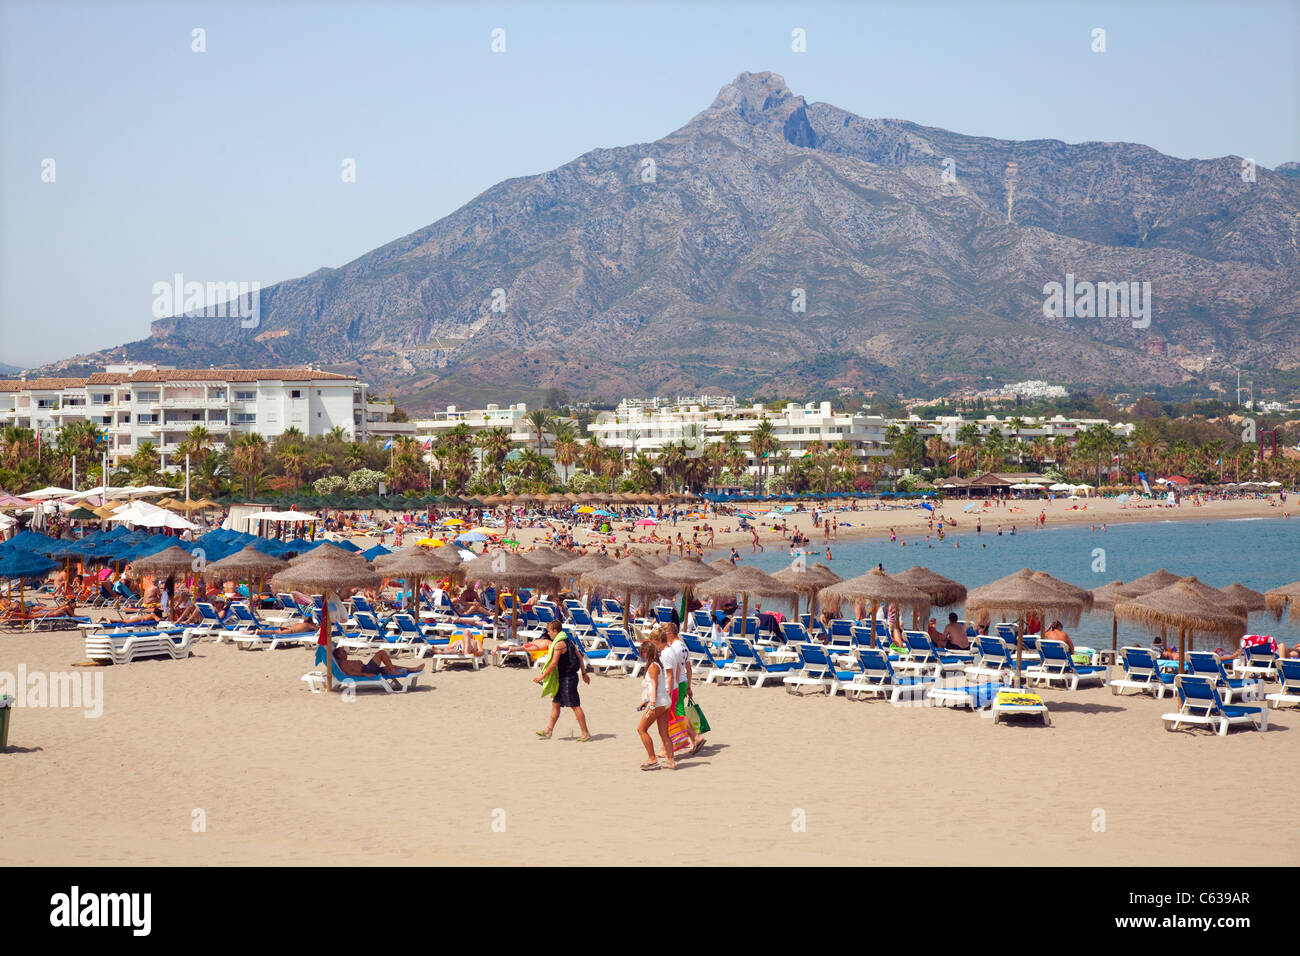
(379, 665)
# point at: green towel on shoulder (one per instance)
(551, 682)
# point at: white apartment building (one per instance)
(948, 427)
(138, 404)
(648, 426)
(494, 416)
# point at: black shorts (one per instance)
(567, 695)
(370, 667)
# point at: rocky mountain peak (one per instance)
(763, 98)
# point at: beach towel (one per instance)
(551, 682)
(679, 734)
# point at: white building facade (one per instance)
(138, 404)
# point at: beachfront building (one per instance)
(949, 427)
(512, 417)
(650, 425)
(134, 404)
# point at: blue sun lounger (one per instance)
(1207, 664)
(1058, 665)
(1201, 704)
(876, 676)
(1142, 672)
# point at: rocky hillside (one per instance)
(771, 245)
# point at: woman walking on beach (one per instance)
(655, 705)
(559, 680)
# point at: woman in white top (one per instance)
(655, 704)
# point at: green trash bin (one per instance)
(6, 708)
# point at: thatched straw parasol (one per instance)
(876, 588)
(326, 575)
(328, 552)
(1065, 587)
(412, 565)
(584, 564)
(1276, 600)
(746, 581)
(944, 592)
(1184, 607)
(654, 560)
(1151, 582)
(1249, 598)
(686, 573)
(723, 565)
(1018, 594)
(1104, 599)
(807, 578)
(548, 558)
(167, 562)
(631, 576)
(1216, 596)
(507, 569)
(248, 564)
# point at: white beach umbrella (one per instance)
(51, 491)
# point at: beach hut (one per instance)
(1017, 595)
(1182, 607)
(324, 575)
(877, 589)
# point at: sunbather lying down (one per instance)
(381, 664)
(460, 645)
(298, 627)
(16, 610)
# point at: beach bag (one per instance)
(679, 733)
(696, 716)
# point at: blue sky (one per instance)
(225, 165)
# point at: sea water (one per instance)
(1261, 553)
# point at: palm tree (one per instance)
(540, 422)
(495, 444)
(248, 459)
(761, 444)
(567, 447)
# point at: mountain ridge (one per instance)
(673, 265)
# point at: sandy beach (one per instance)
(909, 522)
(452, 773)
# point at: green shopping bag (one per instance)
(696, 716)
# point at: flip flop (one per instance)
(544, 734)
(585, 740)
(650, 766)
(699, 742)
